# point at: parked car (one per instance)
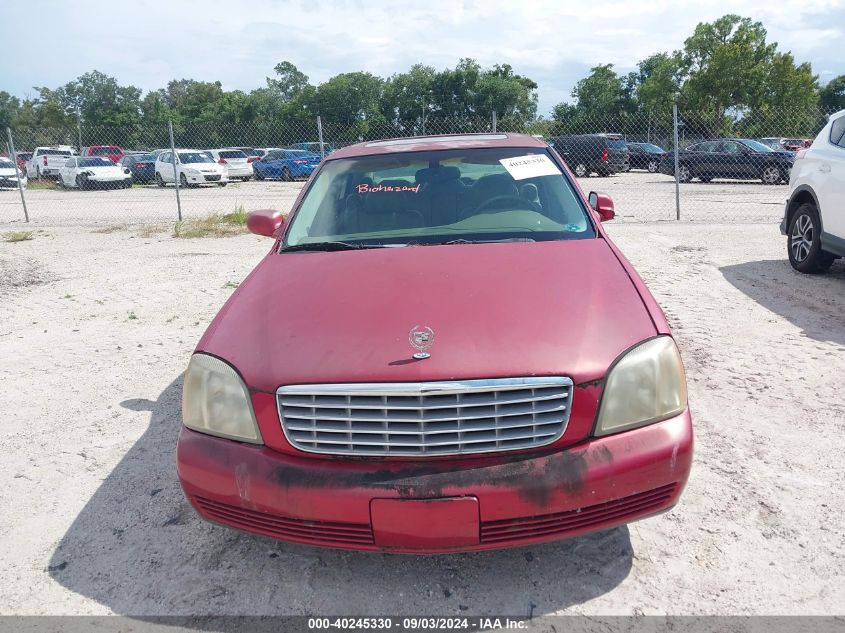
(252, 153)
(313, 147)
(48, 161)
(406, 371)
(645, 156)
(729, 158)
(22, 158)
(93, 172)
(193, 167)
(814, 219)
(235, 161)
(142, 167)
(113, 152)
(10, 173)
(584, 154)
(286, 164)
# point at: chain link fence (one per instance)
(734, 169)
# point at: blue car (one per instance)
(285, 164)
(312, 147)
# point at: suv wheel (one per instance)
(771, 175)
(581, 170)
(684, 173)
(804, 241)
(159, 180)
(653, 166)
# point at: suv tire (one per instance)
(804, 241)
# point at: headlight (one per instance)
(216, 401)
(646, 385)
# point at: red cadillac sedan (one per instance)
(442, 351)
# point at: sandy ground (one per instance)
(96, 329)
(639, 196)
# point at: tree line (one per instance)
(727, 79)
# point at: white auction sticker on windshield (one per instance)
(530, 166)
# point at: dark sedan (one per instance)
(142, 167)
(645, 156)
(731, 159)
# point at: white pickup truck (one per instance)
(48, 161)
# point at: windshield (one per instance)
(232, 153)
(495, 194)
(653, 149)
(757, 147)
(54, 152)
(5, 163)
(105, 151)
(194, 157)
(95, 162)
(616, 143)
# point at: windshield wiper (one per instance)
(507, 239)
(329, 246)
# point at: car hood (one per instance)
(104, 170)
(205, 168)
(497, 310)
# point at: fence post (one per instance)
(79, 129)
(14, 159)
(175, 176)
(677, 176)
(320, 136)
(494, 121)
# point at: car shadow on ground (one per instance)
(139, 549)
(814, 303)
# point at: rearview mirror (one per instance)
(267, 222)
(603, 205)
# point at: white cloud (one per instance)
(148, 42)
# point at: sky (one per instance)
(146, 43)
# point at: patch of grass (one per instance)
(151, 229)
(114, 228)
(68, 296)
(213, 225)
(17, 236)
(131, 316)
(36, 185)
(231, 284)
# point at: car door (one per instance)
(830, 188)
(731, 161)
(697, 157)
(67, 174)
(166, 167)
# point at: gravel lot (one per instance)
(639, 196)
(96, 329)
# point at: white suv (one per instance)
(193, 167)
(814, 221)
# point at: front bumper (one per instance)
(438, 506)
(202, 179)
(239, 172)
(11, 182)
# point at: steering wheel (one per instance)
(521, 203)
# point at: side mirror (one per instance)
(267, 222)
(603, 205)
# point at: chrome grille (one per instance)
(425, 418)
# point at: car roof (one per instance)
(438, 142)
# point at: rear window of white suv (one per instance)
(837, 132)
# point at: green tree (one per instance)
(9, 108)
(726, 63)
(832, 96)
(289, 81)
